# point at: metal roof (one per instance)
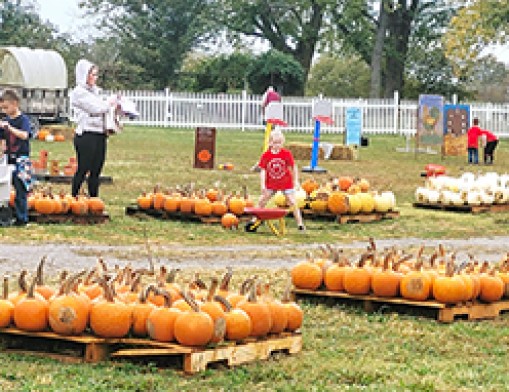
(32, 68)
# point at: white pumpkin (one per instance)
(421, 194)
(433, 196)
(300, 198)
(474, 198)
(384, 201)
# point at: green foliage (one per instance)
(277, 69)
(339, 77)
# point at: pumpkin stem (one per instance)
(198, 282)
(167, 297)
(69, 283)
(63, 276)
(372, 243)
(172, 274)
(135, 283)
(31, 288)
(101, 266)
(441, 250)
(144, 292)
(107, 289)
(252, 292)
(420, 251)
(22, 281)
(224, 302)
(192, 303)
(39, 273)
(225, 282)
(6, 286)
(246, 285)
(161, 279)
(212, 290)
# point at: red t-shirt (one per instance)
(490, 137)
(473, 137)
(278, 169)
(272, 96)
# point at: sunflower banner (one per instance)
(204, 148)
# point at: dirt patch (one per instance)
(14, 257)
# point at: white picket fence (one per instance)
(243, 111)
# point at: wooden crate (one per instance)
(88, 219)
(441, 312)
(92, 349)
(349, 218)
(464, 208)
(134, 210)
(61, 179)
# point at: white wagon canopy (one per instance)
(32, 68)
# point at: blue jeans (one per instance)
(473, 155)
(20, 202)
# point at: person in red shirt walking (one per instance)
(279, 173)
(473, 134)
(491, 144)
(269, 96)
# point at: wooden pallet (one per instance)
(61, 179)
(349, 218)
(464, 208)
(134, 210)
(88, 219)
(92, 349)
(441, 312)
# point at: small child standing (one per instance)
(473, 134)
(279, 173)
(15, 133)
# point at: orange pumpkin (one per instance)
(278, 312)
(357, 280)
(258, 312)
(345, 183)
(202, 207)
(492, 287)
(236, 205)
(293, 311)
(337, 203)
(79, 206)
(6, 306)
(385, 282)
(95, 205)
(449, 289)
(310, 185)
(229, 221)
(307, 275)
(215, 310)
(238, 322)
(172, 203)
(193, 328)
(23, 288)
(31, 312)
(416, 285)
(144, 201)
(46, 291)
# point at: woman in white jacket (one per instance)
(90, 139)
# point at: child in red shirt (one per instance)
(473, 142)
(491, 144)
(279, 173)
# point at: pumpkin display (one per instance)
(31, 312)
(307, 275)
(194, 328)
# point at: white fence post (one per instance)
(166, 111)
(243, 110)
(396, 112)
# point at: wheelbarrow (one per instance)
(267, 215)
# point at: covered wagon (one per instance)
(39, 76)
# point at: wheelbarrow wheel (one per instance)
(251, 227)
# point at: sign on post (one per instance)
(353, 126)
(456, 124)
(204, 148)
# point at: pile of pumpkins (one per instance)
(468, 189)
(341, 195)
(144, 303)
(209, 202)
(392, 273)
(45, 202)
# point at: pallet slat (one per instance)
(68, 218)
(350, 218)
(464, 208)
(442, 312)
(94, 349)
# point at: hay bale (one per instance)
(60, 129)
(302, 151)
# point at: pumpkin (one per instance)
(354, 189)
(384, 201)
(307, 275)
(277, 312)
(158, 198)
(161, 320)
(68, 313)
(320, 202)
(23, 288)
(492, 287)
(385, 282)
(212, 194)
(187, 204)
(310, 185)
(354, 203)
(367, 202)
(42, 134)
(236, 205)
(258, 312)
(345, 183)
(337, 203)
(238, 322)
(110, 318)
(172, 202)
(59, 137)
(95, 205)
(31, 312)
(6, 306)
(363, 184)
(194, 328)
(215, 310)
(449, 289)
(44, 205)
(293, 311)
(202, 207)
(229, 221)
(236, 298)
(141, 311)
(357, 280)
(416, 285)
(144, 201)
(280, 199)
(79, 206)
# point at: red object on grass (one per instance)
(277, 121)
(434, 170)
(266, 213)
(324, 119)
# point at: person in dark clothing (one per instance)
(15, 134)
(491, 144)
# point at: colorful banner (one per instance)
(353, 126)
(456, 124)
(430, 124)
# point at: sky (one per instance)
(68, 18)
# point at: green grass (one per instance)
(142, 157)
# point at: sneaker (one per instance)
(255, 168)
(20, 223)
(302, 228)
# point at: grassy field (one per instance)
(142, 157)
(344, 348)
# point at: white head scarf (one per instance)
(83, 67)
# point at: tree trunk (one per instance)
(377, 54)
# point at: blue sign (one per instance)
(456, 119)
(353, 126)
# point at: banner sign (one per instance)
(204, 148)
(353, 126)
(430, 124)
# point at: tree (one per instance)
(277, 69)
(345, 77)
(153, 36)
(478, 24)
